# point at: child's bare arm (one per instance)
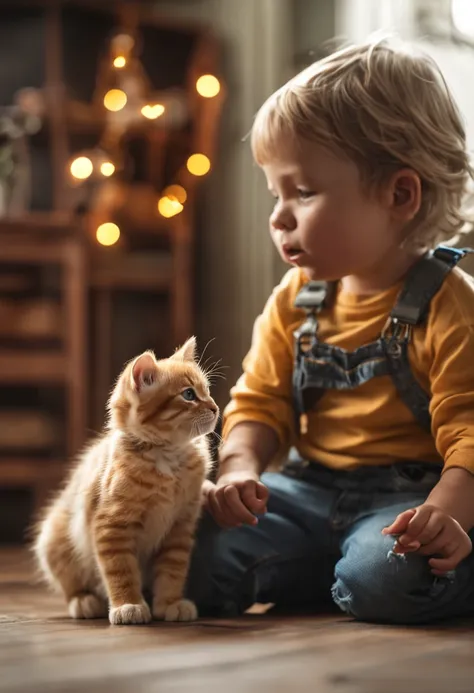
(238, 494)
(454, 493)
(250, 447)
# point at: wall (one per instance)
(238, 265)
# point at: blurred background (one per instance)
(131, 214)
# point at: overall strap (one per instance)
(313, 296)
(424, 281)
(411, 309)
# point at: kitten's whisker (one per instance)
(215, 368)
(204, 351)
(215, 364)
(219, 371)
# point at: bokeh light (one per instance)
(107, 169)
(153, 111)
(81, 168)
(115, 100)
(198, 164)
(208, 86)
(177, 192)
(169, 206)
(120, 61)
(108, 233)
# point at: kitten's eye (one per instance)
(189, 395)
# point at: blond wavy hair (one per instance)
(385, 107)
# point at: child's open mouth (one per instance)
(292, 255)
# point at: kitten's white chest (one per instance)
(165, 462)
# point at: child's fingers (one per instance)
(220, 516)
(254, 495)
(400, 523)
(262, 492)
(237, 510)
(440, 547)
(444, 565)
(438, 544)
(419, 522)
(406, 548)
(454, 552)
(432, 529)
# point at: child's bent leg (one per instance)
(372, 584)
(282, 560)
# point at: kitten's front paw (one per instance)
(87, 606)
(182, 610)
(129, 614)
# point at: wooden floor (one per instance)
(43, 650)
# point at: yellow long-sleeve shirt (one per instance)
(368, 425)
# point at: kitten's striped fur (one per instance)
(126, 518)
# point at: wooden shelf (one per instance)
(40, 222)
(18, 471)
(152, 273)
(25, 368)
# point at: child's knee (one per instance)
(374, 584)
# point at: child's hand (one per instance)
(235, 499)
(430, 531)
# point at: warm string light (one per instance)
(81, 168)
(176, 191)
(120, 61)
(208, 86)
(115, 100)
(169, 206)
(107, 169)
(173, 198)
(108, 233)
(198, 164)
(153, 111)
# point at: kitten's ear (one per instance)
(144, 372)
(187, 352)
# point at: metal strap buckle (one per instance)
(395, 333)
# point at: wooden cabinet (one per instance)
(107, 303)
(35, 361)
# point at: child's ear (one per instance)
(144, 372)
(187, 352)
(405, 194)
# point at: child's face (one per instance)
(324, 220)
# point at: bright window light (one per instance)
(462, 12)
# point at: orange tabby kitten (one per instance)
(126, 518)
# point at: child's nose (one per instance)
(282, 220)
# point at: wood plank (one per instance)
(43, 650)
(16, 472)
(27, 368)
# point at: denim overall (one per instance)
(320, 366)
(320, 540)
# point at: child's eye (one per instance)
(189, 395)
(305, 194)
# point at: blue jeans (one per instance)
(321, 539)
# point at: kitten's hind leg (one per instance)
(61, 567)
(87, 605)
